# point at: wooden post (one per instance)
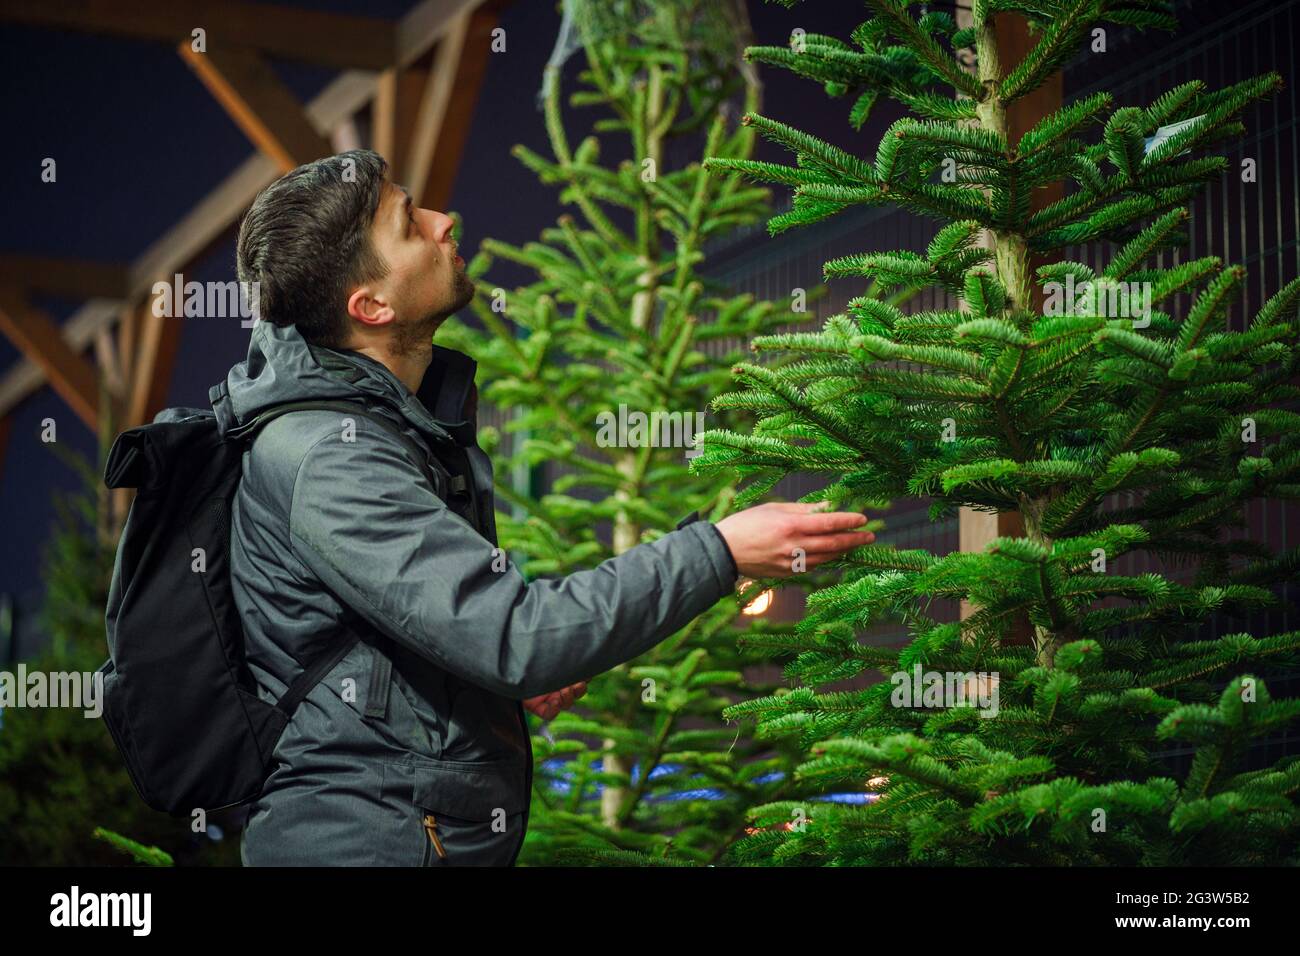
(976, 529)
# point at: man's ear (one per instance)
(369, 306)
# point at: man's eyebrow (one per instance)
(406, 203)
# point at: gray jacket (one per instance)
(414, 749)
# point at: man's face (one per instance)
(426, 279)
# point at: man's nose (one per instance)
(441, 225)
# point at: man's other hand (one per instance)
(547, 706)
(765, 539)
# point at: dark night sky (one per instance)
(138, 141)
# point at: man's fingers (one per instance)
(548, 705)
(800, 507)
(829, 523)
(838, 543)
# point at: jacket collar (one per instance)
(446, 398)
(282, 367)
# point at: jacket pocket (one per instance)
(471, 812)
(482, 726)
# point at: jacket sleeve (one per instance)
(365, 520)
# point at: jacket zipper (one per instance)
(482, 510)
(431, 827)
(528, 782)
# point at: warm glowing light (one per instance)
(759, 604)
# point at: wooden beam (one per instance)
(25, 376)
(220, 210)
(395, 112)
(426, 23)
(346, 136)
(128, 334)
(453, 133)
(152, 366)
(263, 107)
(109, 363)
(294, 33)
(384, 127)
(66, 278)
(38, 337)
(434, 123)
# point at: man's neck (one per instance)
(409, 367)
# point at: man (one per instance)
(413, 749)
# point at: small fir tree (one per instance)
(620, 316)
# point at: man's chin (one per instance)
(464, 291)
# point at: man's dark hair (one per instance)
(306, 241)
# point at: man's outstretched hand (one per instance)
(547, 706)
(765, 539)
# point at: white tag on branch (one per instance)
(1164, 132)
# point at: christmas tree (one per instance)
(66, 798)
(610, 356)
(1116, 411)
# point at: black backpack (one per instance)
(178, 698)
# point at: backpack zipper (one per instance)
(431, 827)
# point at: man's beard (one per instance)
(464, 289)
(410, 338)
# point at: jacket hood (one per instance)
(283, 367)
